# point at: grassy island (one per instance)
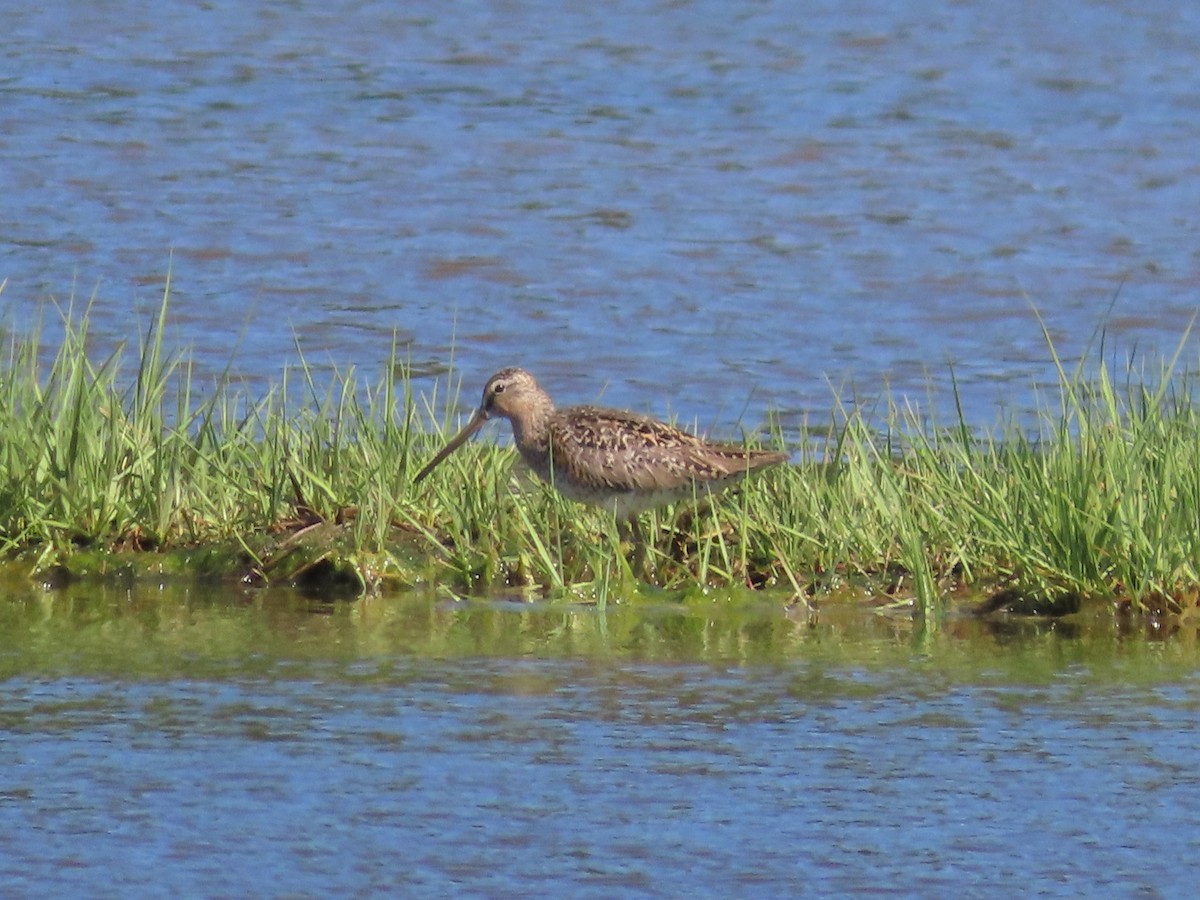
(126, 466)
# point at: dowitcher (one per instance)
(618, 460)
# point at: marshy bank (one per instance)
(124, 466)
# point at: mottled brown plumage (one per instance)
(606, 457)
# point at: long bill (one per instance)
(477, 421)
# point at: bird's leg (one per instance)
(623, 531)
(640, 559)
(629, 531)
(624, 539)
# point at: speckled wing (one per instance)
(607, 450)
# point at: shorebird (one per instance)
(618, 460)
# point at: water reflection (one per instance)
(176, 631)
(253, 744)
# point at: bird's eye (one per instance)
(498, 388)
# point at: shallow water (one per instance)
(689, 208)
(168, 742)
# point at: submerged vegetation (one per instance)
(106, 466)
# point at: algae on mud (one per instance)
(205, 631)
(1098, 500)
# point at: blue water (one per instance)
(581, 780)
(195, 745)
(693, 208)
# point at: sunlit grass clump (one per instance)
(1096, 497)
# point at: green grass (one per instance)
(1098, 499)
